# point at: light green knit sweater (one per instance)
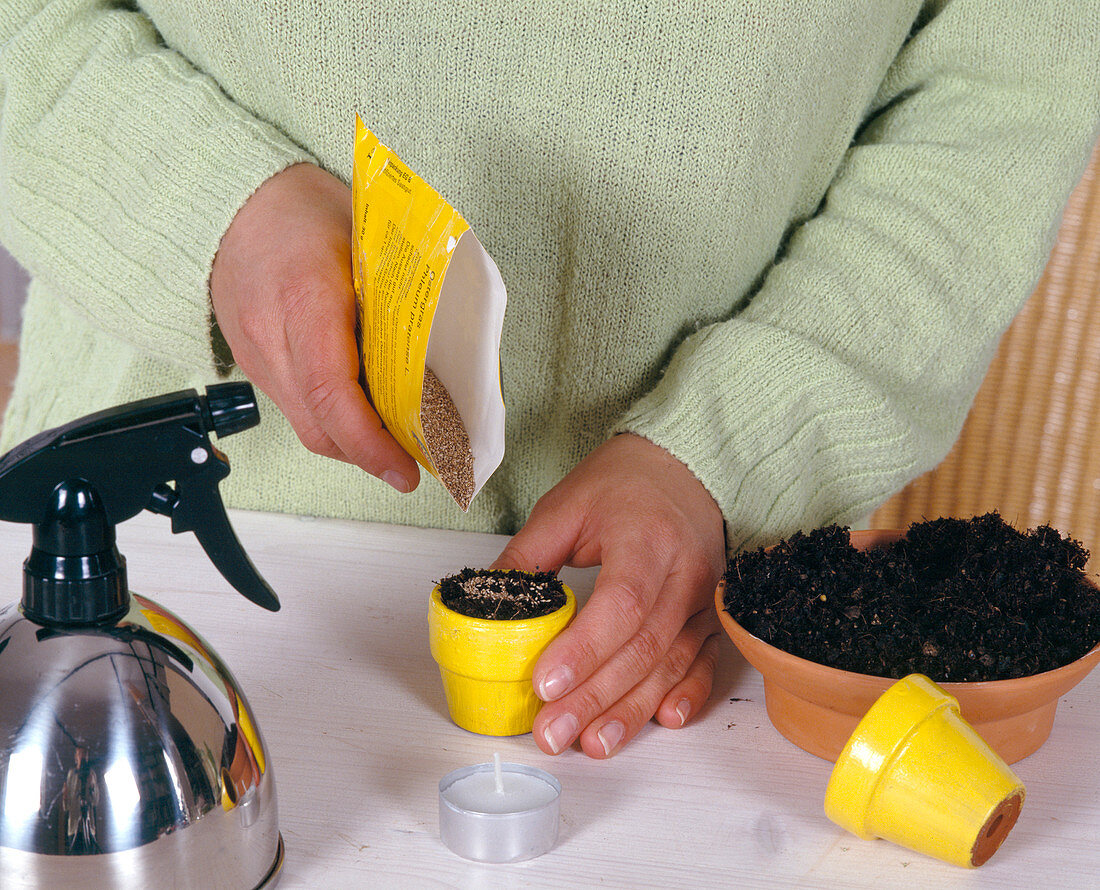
(780, 238)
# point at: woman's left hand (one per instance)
(646, 642)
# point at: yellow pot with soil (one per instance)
(486, 663)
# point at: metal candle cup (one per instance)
(503, 812)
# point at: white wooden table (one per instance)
(350, 704)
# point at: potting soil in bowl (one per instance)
(959, 600)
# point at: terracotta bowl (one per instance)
(818, 707)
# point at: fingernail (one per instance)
(560, 732)
(684, 710)
(556, 683)
(396, 480)
(610, 734)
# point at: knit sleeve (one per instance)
(852, 369)
(121, 166)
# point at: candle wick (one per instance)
(497, 773)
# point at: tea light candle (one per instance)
(499, 812)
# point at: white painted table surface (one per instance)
(351, 707)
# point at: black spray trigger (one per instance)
(77, 482)
(199, 509)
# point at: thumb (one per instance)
(544, 544)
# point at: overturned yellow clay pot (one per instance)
(915, 773)
(486, 665)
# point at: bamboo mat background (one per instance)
(1030, 448)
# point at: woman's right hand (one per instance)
(282, 294)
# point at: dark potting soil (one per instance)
(955, 599)
(502, 595)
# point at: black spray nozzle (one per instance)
(231, 408)
(77, 482)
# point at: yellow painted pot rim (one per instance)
(504, 648)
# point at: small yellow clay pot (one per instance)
(915, 773)
(486, 665)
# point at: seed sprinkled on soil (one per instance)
(446, 439)
(502, 594)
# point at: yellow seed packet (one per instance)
(430, 297)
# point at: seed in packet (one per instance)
(447, 441)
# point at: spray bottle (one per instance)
(128, 755)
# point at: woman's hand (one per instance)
(283, 297)
(645, 644)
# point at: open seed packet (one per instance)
(431, 310)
